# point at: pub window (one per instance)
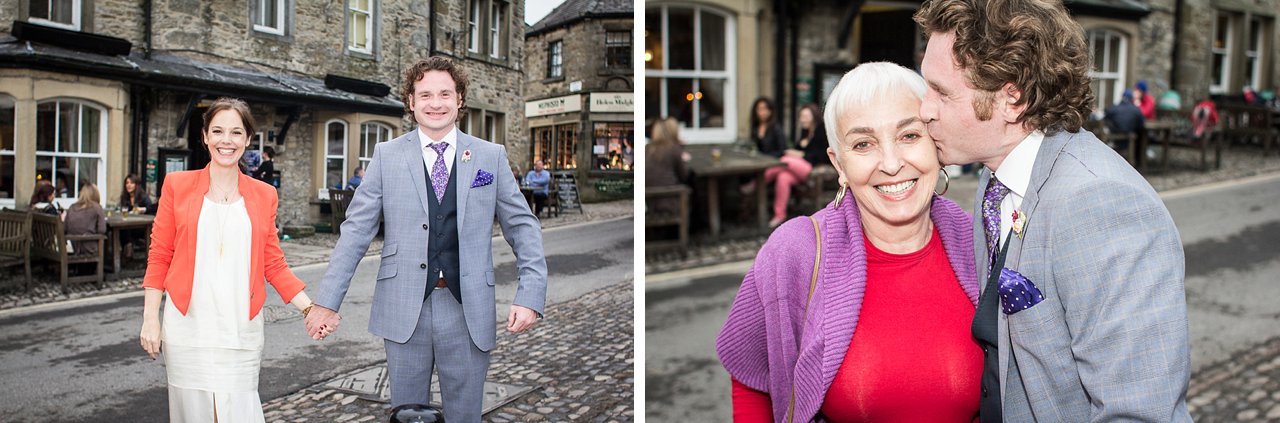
(617, 45)
(556, 146)
(1253, 56)
(70, 137)
(689, 71)
(555, 59)
(497, 21)
(63, 14)
(612, 148)
(361, 15)
(1221, 53)
(269, 16)
(335, 154)
(7, 135)
(371, 133)
(1109, 58)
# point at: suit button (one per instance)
(424, 226)
(439, 217)
(984, 392)
(985, 349)
(422, 266)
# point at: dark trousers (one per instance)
(539, 202)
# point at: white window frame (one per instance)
(53, 156)
(495, 29)
(11, 154)
(281, 8)
(1256, 55)
(1225, 75)
(342, 179)
(77, 11)
(555, 59)
(365, 152)
(473, 27)
(1117, 77)
(696, 135)
(368, 26)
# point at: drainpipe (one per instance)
(793, 23)
(146, 25)
(779, 61)
(1173, 58)
(432, 24)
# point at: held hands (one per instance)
(321, 322)
(150, 336)
(521, 319)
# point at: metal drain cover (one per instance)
(372, 384)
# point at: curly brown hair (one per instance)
(1033, 44)
(434, 63)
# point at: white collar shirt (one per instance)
(1015, 173)
(429, 154)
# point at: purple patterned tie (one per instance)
(991, 211)
(439, 172)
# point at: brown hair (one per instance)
(666, 131)
(434, 63)
(235, 104)
(88, 196)
(1033, 44)
(42, 192)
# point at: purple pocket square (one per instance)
(482, 178)
(1017, 293)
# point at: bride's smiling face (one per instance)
(226, 138)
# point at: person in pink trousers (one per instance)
(810, 150)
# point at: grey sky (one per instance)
(535, 10)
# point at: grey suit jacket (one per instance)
(395, 186)
(1109, 341)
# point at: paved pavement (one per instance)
(1230, 234)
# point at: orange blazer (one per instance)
(171, 262)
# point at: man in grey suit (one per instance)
(1083, 314)
(439, 191)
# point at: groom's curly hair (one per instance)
(435, 63)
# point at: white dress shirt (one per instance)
(429, 154)
(1015, 173)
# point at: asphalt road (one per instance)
(80, 361)
(1231, 238)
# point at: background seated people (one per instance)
(86, 217)
(540, 179)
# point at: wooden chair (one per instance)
(15, 242)
(49, 240)
(680, 218)
(1183, 136)
(1247, 123)
(553, 202)
(819, 179)
(339, 199)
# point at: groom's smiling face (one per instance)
(435, 103)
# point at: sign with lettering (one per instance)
(567, 185)
(612, 102)
(551, 106)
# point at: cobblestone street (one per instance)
(578, 360)
(1245, 388)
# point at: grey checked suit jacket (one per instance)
(395, 186)
(1109, 342)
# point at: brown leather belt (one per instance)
(440, 283)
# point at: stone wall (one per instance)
(583, 60)
(8, 13)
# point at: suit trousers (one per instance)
(440, 340)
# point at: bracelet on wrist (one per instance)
(306, 310)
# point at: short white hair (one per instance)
(865, 86)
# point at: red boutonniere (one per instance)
(1019, 220)
(466, 156)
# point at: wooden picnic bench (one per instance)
(661, 218)
(49, 240)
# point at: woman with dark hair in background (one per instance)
(134, 197)
(765, 131)
(42, 199)
(810, 151)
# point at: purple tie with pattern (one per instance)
(991, 211)
(439, 172)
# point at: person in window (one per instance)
(356, 177)
(540, 179)
(42, 199)
(267, 169)
(86, 217)
(134, 197)
(869, 314)
(810, 151)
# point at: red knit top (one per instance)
(912, 357)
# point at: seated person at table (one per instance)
(1125, 118)
(356, 178)
(42, 199)
(134, 197)
(540, 179)
(86, 217)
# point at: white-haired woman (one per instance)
(893, 260)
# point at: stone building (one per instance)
(728, 52)
(579, 94)
(133, 77)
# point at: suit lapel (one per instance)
(465, 174)
(411, 152)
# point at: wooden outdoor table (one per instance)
(117, 223)
(732, 164)
(1158, 131)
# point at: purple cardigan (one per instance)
(758, 344)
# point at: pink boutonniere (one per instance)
(1019, 221)
(466, 156)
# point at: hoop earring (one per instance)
(946, 177)
(840, 195)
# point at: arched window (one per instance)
(1110, 56)
(689, 70)
(372, 133)
(8, 132)
(335, 154)
(70, 138)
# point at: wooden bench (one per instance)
(1180, 133)
(1247, 124)
(657, 219)
(816, 184)
(15, 242)
(49, 240)
(339, 199)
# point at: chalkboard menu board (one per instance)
(567, 184)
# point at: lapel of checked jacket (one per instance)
(411, 153)
(466, 174)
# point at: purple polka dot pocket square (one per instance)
(482, 178)
(1017, 293)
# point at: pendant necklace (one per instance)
(222, 221)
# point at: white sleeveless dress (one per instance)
(214, 352)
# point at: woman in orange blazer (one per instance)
(213, 245)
